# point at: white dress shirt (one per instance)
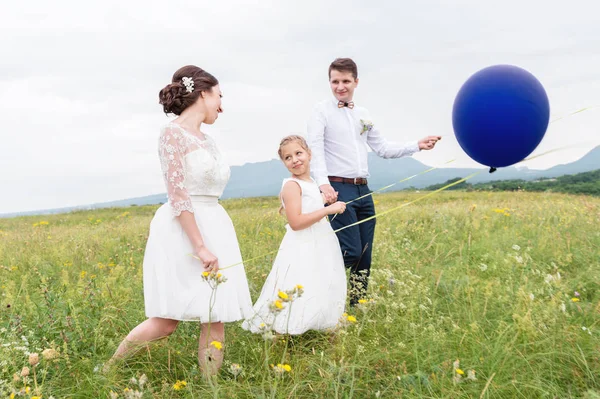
(340, 149)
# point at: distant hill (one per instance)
(587, 183)
(264, 178)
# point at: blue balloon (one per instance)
(500, 115)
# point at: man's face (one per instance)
(342, 85)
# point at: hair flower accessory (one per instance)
(366, 126)
(188, 83)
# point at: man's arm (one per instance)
(316, 143)
(387, 149)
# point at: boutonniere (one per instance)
(366, 126)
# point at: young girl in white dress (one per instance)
(191, 234)
(306, 288)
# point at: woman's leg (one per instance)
(149, 330)
(210, 358)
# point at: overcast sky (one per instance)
(79, 81)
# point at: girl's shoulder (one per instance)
(291, 180)
(300, 181)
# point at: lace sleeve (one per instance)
(171, 150)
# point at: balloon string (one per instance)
(574, 112)
(400, 181)
(393, 184)
(412, 202)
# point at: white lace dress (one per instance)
(310, 258)
(195, 176)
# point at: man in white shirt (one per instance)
(338, 135)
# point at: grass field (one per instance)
(492, 295)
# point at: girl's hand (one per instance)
(337, 207)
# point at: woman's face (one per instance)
(212, 104)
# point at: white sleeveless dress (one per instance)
(195, 175)
(311, 258)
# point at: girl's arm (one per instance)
(292, 197)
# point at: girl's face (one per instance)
(296, 159)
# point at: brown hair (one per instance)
(175, 98)
(344, 65)
(290, 139)
(286, 140)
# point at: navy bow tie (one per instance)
(343, 104)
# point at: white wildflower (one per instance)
(142, 380)
(563, 307)
(519, 259)
(471, 375)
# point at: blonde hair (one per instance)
(290, 139)
(285, 141)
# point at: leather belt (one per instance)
(358, 181)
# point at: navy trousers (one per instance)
(356, 242)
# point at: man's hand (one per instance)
(428, 142)
(329, 192)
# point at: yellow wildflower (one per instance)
(179, 385)
(283, 295)
(575, 299)
(83, 273)
(217, 345)
(282, 368)
(278, 304)
(459, 371)
(351, 319)
(362, 301)
(300, 287)
(205, 274)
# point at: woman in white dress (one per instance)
(306, 288)
(191, 235)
